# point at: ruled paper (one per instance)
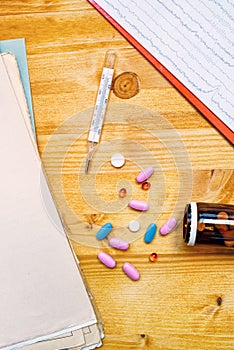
(193, 39)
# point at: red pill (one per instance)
(153, 257)
(146, 185)
(122, 192)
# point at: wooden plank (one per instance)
(176, 304)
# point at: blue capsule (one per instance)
(150, 233)
(104, 231)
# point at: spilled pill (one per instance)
(131, 271)
(118, 243)
(104, 231)
(145, 185)
(122, 192)
(138, 205)
(134, 225)
(145, 174)
(150, 233)
(153, 257)
(117, 160)
(168, 226)
(107, 260)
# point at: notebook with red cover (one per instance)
(190, 43)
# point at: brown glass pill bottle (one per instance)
(209, 223)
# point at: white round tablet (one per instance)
(117, 160)
(134, 225)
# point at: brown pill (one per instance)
(229, 243)
(221, 228)
(222, 215)
(201, 226)
(126, 85)
(228, 238)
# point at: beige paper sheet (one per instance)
(80, 338)
(30, 280)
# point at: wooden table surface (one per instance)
(176, 304)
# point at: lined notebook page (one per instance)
(192, 39)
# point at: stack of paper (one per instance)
(43, 299)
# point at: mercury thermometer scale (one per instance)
(100, 105)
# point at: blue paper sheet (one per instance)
(18, 48)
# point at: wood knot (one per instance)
(93, 218)
(219, 301)
(144, 340)
(126, 85)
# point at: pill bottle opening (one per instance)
(190, 223)
(186, 223)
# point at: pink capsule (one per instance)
(131, 271)
(118, 243)
(138, 205)
(168, 226)
(145, 174)
(107, 260)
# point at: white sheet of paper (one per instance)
(192, 39)
(42, 291)
(84, 338)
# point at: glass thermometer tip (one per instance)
(110, 59)
(101, 103)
